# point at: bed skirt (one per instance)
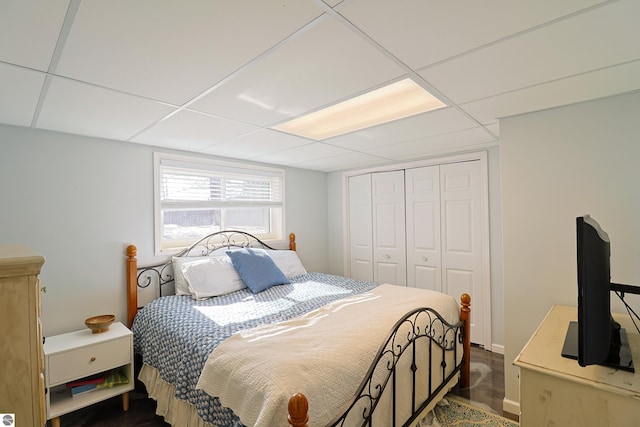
(175, 411)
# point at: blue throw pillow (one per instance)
(257, 269)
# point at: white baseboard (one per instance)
(511, 406)
(497, 348)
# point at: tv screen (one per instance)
(595, 338)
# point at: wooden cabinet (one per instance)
(556, 391)
(21, 356)
(76, 355)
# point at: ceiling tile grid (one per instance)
(255, 144)
(318, 66)
(173, 51)
(29, 30)
(413, 150)
(21, 86)
(556, 51)
(80, 108)
(192, 131)
(425, 32)
(213, 76)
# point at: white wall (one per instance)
(336, 218)
(556, 165)
(79, 201)
(336, 202)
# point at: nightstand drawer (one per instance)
(85, 361)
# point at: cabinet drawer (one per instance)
(85, 361)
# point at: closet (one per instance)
(426, 227)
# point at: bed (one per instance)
(217, 349)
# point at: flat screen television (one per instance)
(596, 338)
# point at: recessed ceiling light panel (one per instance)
(396, 101)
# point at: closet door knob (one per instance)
(425, 259)
(387, 256)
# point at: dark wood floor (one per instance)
(487, 387)
(487, 381)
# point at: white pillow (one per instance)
(288, 262)
(180, 283)
(212, 277)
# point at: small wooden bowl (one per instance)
(99, 324)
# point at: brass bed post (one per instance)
(292, 241)
(132, 284)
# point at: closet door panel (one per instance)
(390, 272)
(360, 227)
(425, 277)
(458, 281)
(462, 237)
(423, 227)
(389, 241)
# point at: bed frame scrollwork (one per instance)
(161, 274)
(422, 326)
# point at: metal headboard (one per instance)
(162, 273)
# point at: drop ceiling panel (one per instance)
(444, 120)
(313, 151)
(213, 76)
(332, 3)
(438, 144)
(256, 144)
(324, 63)
(172, 51)
(556, 51)
(583, 87)
(188, 130)
(424, 32)
(22, 86)
(84, 109)
(29, 30)
(345, 161)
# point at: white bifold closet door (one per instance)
(377, 241)
(424, 227)
(360, 228)
(445, 234)
(424, 268)
(389, 236)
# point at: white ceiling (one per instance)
(212, 76)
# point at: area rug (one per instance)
(453, 411)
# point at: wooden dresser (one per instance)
(556, 391)
(21, 353)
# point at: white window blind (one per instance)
(196, 197)
(218, 189)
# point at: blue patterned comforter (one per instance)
(176, 334)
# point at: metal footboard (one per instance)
(420, 357)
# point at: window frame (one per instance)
(196, 163)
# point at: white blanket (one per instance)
(324, 354)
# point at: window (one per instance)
(195, 197)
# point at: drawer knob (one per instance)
(93, 359)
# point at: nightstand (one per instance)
(80, 354)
